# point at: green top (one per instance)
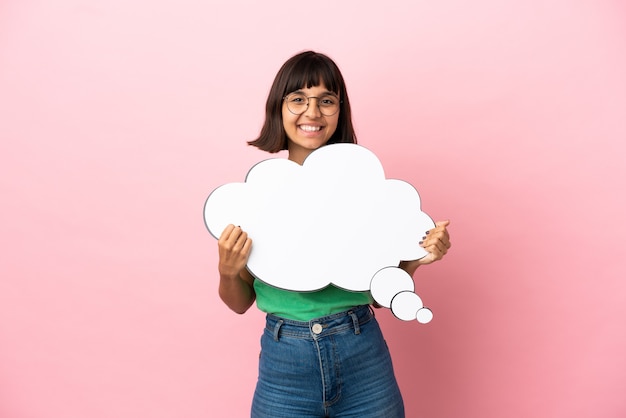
(304, 306)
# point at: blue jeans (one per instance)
(334, 366)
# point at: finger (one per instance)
(435, 246)
(441, 231)
(440, 247)
(229, 241)
(440, 234)
(247, 247)
(240, 242)
(439, 227)
(226, 232)
(434, 254)
(444, 239)
(440, 239)
(235, 235)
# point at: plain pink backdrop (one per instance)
(118, 118)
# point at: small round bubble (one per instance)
(405, 305)
(424, 316)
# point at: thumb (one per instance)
(443, 223)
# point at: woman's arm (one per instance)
(436, 242)
(235, 288)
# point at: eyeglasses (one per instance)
(298, 103)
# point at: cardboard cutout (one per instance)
(334, 220)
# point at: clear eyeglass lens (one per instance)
(298, 103)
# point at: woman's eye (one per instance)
(297, 99)
(328, 101)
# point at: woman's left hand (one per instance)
(436, 242)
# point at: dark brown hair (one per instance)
(304, 70)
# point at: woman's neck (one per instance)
(299, 155)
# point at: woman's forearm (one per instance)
(237, 293)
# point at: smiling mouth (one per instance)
(309, 128)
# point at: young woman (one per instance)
(322, 353)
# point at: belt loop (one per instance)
(279, 324)
(355, 321)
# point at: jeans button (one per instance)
(317, 329)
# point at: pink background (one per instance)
(117, 118)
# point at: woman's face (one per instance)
(312, 129)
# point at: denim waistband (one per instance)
(317, 328)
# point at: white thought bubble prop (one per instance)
(334, 220)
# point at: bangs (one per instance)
(313, 72)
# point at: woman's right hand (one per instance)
(234, 249)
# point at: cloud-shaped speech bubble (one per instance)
(334, 220)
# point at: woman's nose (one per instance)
(313, 110)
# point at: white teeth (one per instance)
(309, 128)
